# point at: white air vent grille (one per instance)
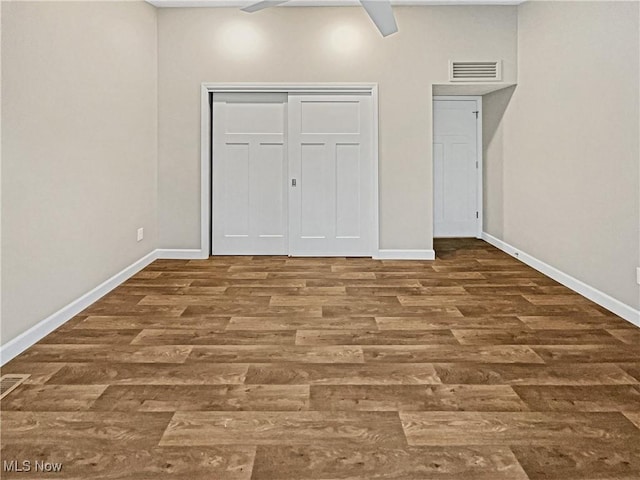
(475, 71)
(9, 382)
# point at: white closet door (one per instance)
(249, 174)
(455, 175)
(331, 164)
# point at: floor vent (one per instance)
(475, 71)
(9, 382)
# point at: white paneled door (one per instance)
(331, 172)
(249, 174)
(293, 174)
(455, 168)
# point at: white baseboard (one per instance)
(181, 254)
(23, 341)
(616, 306)
(26, 339)
(405, 255)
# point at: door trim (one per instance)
(480, 176)
(206, 145)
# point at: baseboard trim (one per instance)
(19, 344)
(26, 339)
(604, 300)
(405, 255)
(181, 254)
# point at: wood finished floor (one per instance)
(473, 366)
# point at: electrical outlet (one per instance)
(140, 234)
(638, 275)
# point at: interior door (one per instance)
(330, 175)
(455, 168)
(249, 174)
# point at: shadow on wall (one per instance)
(494, 106)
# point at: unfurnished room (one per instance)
(320, 240)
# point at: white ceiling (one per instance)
(322, 3)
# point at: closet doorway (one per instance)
(457, 166)
(294, 173)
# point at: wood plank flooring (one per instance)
(472, 367)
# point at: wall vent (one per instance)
(9, 382)
(475, 71)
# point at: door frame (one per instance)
(479, 156)
(207, 153)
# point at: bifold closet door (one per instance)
(249, 174)
(330, 175)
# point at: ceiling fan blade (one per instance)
(381, 13)
(254, 7)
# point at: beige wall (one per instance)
(494, 106)
(570, 144)
(1, 3)
(79, 150)
(296, 45)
